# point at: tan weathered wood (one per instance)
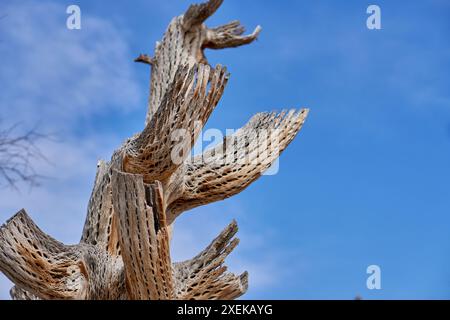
(205, 276)
(198, 13)
(17, 293)
(98, 229)
(232, 166)
(143, 237)
(184, 43)
(194, 94)
(47, 269)
(124, 251)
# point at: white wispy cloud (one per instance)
(59, 78)
(59, 75)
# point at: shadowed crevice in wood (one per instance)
(143, 237)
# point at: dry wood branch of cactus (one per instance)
(124, 248)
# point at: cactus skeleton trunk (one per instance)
(124, 249)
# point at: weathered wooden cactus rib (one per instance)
(36, 262)
(124, 250)
(221, 172)
(97, 227)
(143, 238)
(204, 276)
(17, 293)
(183, 44)
(186, 107)
(229, 36)
(198, 13)
(45, 268)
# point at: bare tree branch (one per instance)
(18, 151)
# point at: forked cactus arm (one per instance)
(169, 137)
(229, 36)
(183, 44)
(38, 263)
(233, 165)
(205, 278)
(198, 13)
(44, 268)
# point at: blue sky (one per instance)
(366, 181)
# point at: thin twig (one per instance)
(18, 151)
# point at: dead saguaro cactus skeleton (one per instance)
(150, 180)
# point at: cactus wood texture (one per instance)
(124, 249)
